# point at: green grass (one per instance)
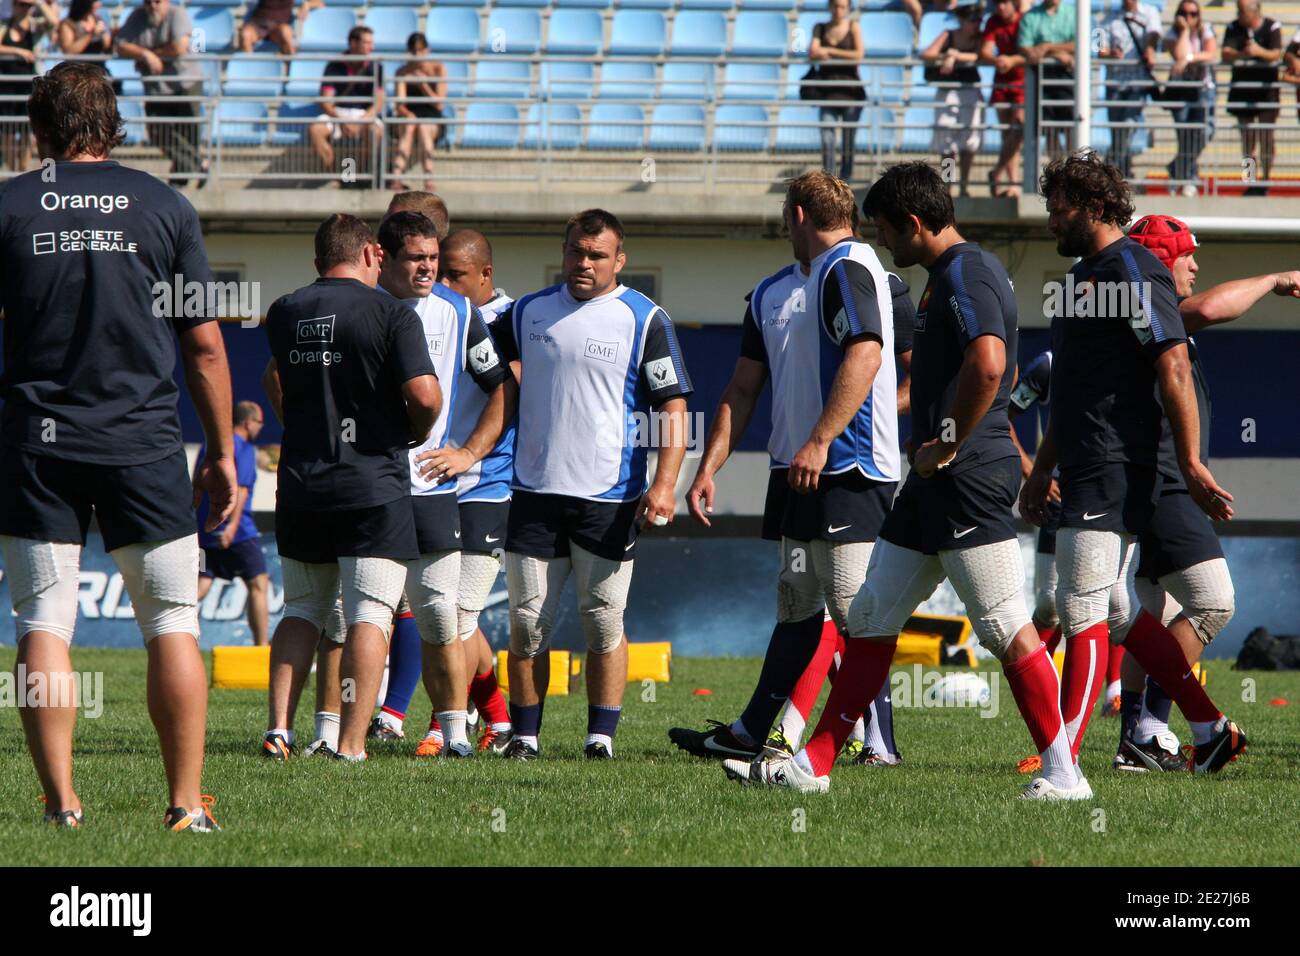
(954, 802)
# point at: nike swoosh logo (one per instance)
(722, 749)
(1087, 516)
(847, 719)
(833, 530)
(489, 539)
(630, 546)
(962, 534)
(458, 534)
(1187, 675)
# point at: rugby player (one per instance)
(953, 516)
(463, 354)
(91, 250)
(426, 204)
(1112, 374)
(794, 667)
(593, 356)
(351, 374)
(234, 549)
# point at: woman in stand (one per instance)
(836, 50)
(421, 87)
(950, 64)
(27, 23)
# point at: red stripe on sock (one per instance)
(1083, 678)
(810, 681)
(1051, 636)
(1158, 652)
(1037, 692)
(1113, 664)
(864, 668)
(407, 615)
(396, 713)
(487, 697)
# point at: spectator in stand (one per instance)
(83, 31)
(951, 66)
(27, 22)
(352, 99)
(1000, 46)
(915, 9)
(1190, 41)
(421, 87)
(1131, 35)
(1252, 43)
(157, 37)
(273, 20)
(1046, 40)
(838, 39)
(1291, 64)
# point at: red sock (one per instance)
(864, 668)
(433, 722)
(1158, 652)
(1051, 636)
(487, 697)
(1113, 663)
(1038, 695)
(1081, 680)
(810, 681)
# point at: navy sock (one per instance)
(403, 665)
(1130, 707)
(1158, 702)
(603, 719)
(526, 719)
(790, 650)
(885, 718)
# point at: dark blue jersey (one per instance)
(1118, 314)
(343, 351)
(968, 295)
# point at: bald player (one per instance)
(466, 266)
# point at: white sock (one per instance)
(391, 721)
(1203, 730)
(453, 726)
(286, 734)
(530, 741)
(1058, 766)
(327, 728)
(873, 739)
(801, 758)
(738, 730)
(1112, 690)
(434, 732)
(792, 725)
(471, 715)
(859, 732)
(501, 727)
(1148, 726)
(601, 739)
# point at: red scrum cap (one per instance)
(1168, 238)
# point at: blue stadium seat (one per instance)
(392, 25)
(241, 123)
(457, 77)
(249, 76)
(785, 6)
(637, 33)
(740, 129)
(884, 84)
(877, 130)
(921, 91)
(326, 30)
(932, 24)
(213, 29)
(342, 3)
(751, 81)
(567, 79)
(707, 4)
(1101, 138)
(676, 128)
(699, 33)
(687, 81)
(291, 123)
(490, 126)
(626, 81)
(887, 34)
(877, 6)
(992, 139)
(513, 31)
(616, 126)
(801, 35)
(124, 70)
(133, 121)
(589, 4)
(646, 4)
(536, 4)
(919, 129)
(452, 29)
(304, 78)
(502, 79)
(575, 31)
(557, 125)
(760, 34)
(797, 131)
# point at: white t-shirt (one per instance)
(772, 305)
(1145, 23)
(1196, 43)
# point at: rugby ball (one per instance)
(958, 690)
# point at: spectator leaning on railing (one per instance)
(157, 37)
(1291, 64)
(84, 31)
(1190, 41)
(1047, 37)
(950, 65)
(1252, 43)
(273, 20)
(352, 99)
(838, 39)
(26, 24)
(1131, 36)
(425, 79)
(1000, 46)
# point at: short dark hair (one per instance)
(73, 110)
(358, 31)
(416, 39)
(400, 226)
(430, 204)
(341, 238)
(1086, 181)
(910, 189)
(592, 222)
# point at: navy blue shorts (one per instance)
(322, 537)
(437, 522)
(543, 526)
(1179, 535)
(483, 526)
(1047, 532)
(1113, 496)
(778, 489)
(243, 559)
(49, 499)
(945, 512)
(848, 507)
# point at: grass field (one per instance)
(954, 801)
